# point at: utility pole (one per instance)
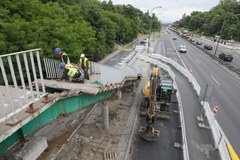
(150, 28)
(221, 31)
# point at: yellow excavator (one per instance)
(156, 92)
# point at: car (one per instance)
(143, 41)
(208, 47)
(174, 38)
(225, 57)
(198, 43)
(182, 49)
(192, 39)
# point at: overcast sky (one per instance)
(171, 10)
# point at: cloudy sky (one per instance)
(171, 10)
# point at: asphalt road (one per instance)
(200, 142)
(226, 88)
(118, 59)
(222, 49)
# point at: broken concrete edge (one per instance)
(32, 149)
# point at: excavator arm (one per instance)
(149, 133)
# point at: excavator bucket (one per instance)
(149, 133)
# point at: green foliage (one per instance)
(225, 16)
(75, 26)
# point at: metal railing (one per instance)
(19, 74)
(219, 137)
(108, 74)
(52, 68)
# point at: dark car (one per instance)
(143, 41)
(208, 47)
(225, 57)
(198, 43)
(174, 38)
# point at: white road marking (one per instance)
(164, 50)
(215, 80)
(196, 60)
(183, 64)
(179, 56)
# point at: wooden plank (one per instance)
(78, 87)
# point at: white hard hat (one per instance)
(82, 55)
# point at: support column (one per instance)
(105, 113)
(119, 94)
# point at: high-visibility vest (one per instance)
(67, 66)
(68, 60)
(84, 63)
(72, 72)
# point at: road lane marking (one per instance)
(179, 56)
(196, 60)
(183, 64)
(215, 80)
(164, 50)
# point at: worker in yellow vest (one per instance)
(63, 56)
(72, 73)
(84, 64)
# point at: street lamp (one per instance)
(215, 52)
(225, 18)
(150, 28)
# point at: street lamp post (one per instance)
(150, 28)
(215, 52)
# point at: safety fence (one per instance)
(107, 74)
(19, 74)
(52, 68)
(219, 137)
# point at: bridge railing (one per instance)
(107, 74)
(18, 78)
(52, 68)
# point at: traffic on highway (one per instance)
(209, 72)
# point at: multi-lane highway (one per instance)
(226, 86)
(209, 72)
(199, 141)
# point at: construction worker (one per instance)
(84, 64)
(63, 56)
(71, 72)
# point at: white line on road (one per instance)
(164, 51)
(196, 60)
(183, 64)
(178, 55)
(215, 80)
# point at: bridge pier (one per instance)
(105, 113)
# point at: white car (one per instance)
(183, 49)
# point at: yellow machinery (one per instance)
(149, 133)
(157, 92)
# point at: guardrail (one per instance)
(219, 137)
(168, 69)
(18, 74)
(181, 69)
